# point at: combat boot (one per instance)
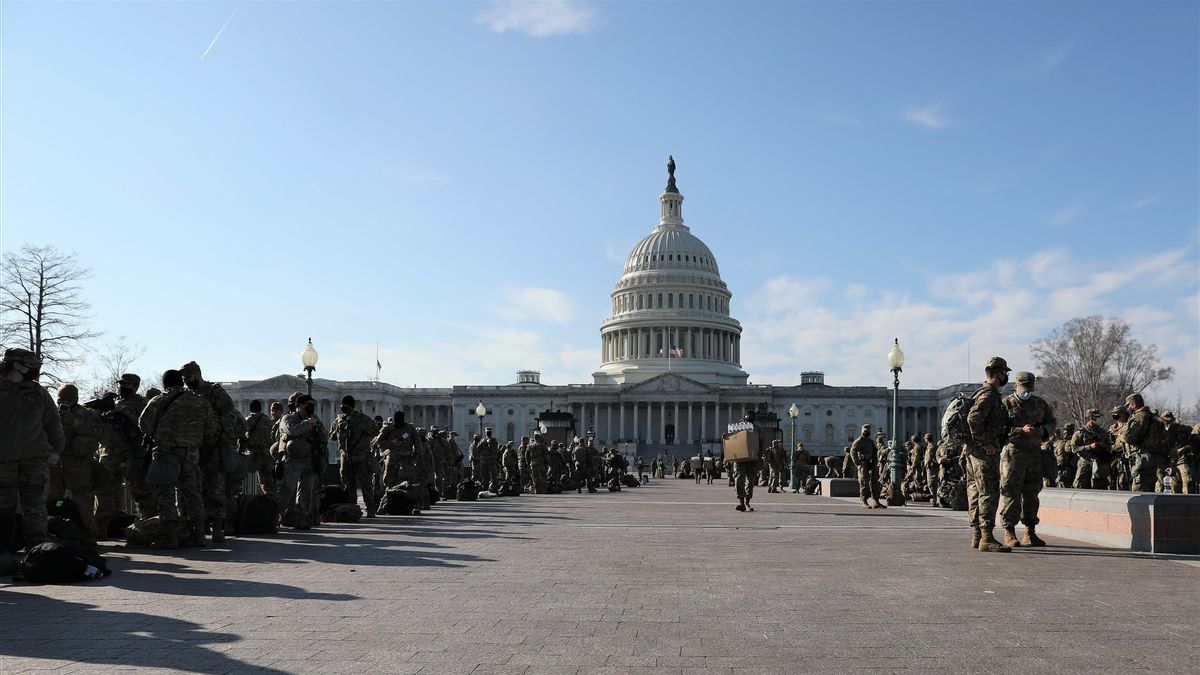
(880, 505)
(866, 505)
(1031, 538)
(1010, 537)
(370, 512)
(988, 543)
(976, 536)
(218, 530)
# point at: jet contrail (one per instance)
(218, 36)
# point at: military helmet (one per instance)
(18, 355)
(1024, 378)
(1092, 414)
(68, 392)
(997, 362)
(130, 379)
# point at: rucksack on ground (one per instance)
(468, 491)
(342, 513)
(143, 533)
(256, 514)
(812, 486)
(630, 480)
(955, 429)
(508, 490)
(335, 494)
(396, 502)
(54, 563)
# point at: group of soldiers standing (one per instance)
(537, 467)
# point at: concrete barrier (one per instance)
(839, 487)
(1137, 521)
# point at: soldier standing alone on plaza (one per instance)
(987, 421)
(863, 452)
(1030, 421)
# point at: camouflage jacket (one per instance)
(223, 409)
(1179, 442)
(83, 429)
(1082, 441)
(353, 432)
(487, 450)
(1137, 429)
(863, 451)
(535, 454)
(302, 437)
(129, 408)
(179, 422)
(1035, 412)
(401, 439)
(258, 432)
(930, 454)
(987, 418)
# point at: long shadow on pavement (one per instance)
(83, 634)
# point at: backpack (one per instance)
(614, 485)
(508, 490)
(256, 514)
(332, 495)
(955, 429)
(53, 563)
(569, 484)
(812, 486)
(953, 494)
(143, 533)
(630, 480)
(396, 502)
(468, 491)
(342, 513)
(1155, 442)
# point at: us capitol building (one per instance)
(670, 376)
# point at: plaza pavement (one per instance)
(666, 578)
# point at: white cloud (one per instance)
(538, 18)
(928, 117)
(1143, 203)
(536, 304)
(1064, 217)
(790, 326)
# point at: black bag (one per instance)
(553, 488)
(116, 527)
(335, 494)
(256, 514)
(630, 480)
(812, 486)
(508, 490)
(144, 533)
(468, 491)
(12, 532)
(53, 563)
(569, 484)
(66, 531)
(342, 513)
(396, 502)
(64, 508)
(614, 485)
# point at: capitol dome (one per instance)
(670, 308)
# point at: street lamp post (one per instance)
(793, 412)
(308, 358)
(895, 359)
(480, 411)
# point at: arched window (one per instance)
(829, 433)
(850, 431)
(691, 301)
(670, 300)
(681, 301)
(511, 430)
(808, 429)
(660, 301)
(639, 301)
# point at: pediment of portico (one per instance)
(668, 383)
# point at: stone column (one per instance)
(621, 432)
(635, 421)
(662, 422)
(690, 439)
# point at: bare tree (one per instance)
(42, 307)
(1088, 362)
(110, 362)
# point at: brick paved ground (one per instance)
(666, 578)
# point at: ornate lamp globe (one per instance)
(480, 410)
(309, 356)
(896, 357)
(794, 411)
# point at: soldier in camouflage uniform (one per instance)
(353, 432)
(82, 428)
(1066, 461)
(523, 465)
(398, 443)
(800, 468)
(987, 420)
(1179, 453)
(932, 482)
(302, 436)
(212, 470)
(864, 454)
(746, 472)
(257, 440)
(1030, 422)
(1116, 435)
(122, 457)
(595, 465)
(776, 463)
(441, 461)
(487, 455)
(535, 457)
(512, 472)
(1094, 454)
(180, 423)
(31, 441)
(454, 456)
(1147, 458)
(1049, 462)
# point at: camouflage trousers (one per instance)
(800, 473)
(1020, 483)
(1091, 474)
(1145, 471)
(212, 485)
(130, 470)
(537, 478)
(74, 476)
(1161, 472)
(745, 478)
(186, 489)
(266, 473)
(1185, 476)
(297, 493)
(934, 480)
(776, 479)
(983, 490)
(868, 482)
(355, 472)
(486, 476)
(24, 481)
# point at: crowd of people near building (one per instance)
(182, 456)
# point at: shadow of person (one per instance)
(41, 627)
(131, 579)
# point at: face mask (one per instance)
(124, 392)
(1128, 410)
(346, 409)
(192, 384)
(1024, 395)
(308, 410)
(32, 374)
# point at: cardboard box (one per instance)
(696, 462)
(741, 446)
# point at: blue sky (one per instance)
(460, 182)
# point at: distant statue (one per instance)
(670, 167)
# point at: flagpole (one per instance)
(377, 362)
